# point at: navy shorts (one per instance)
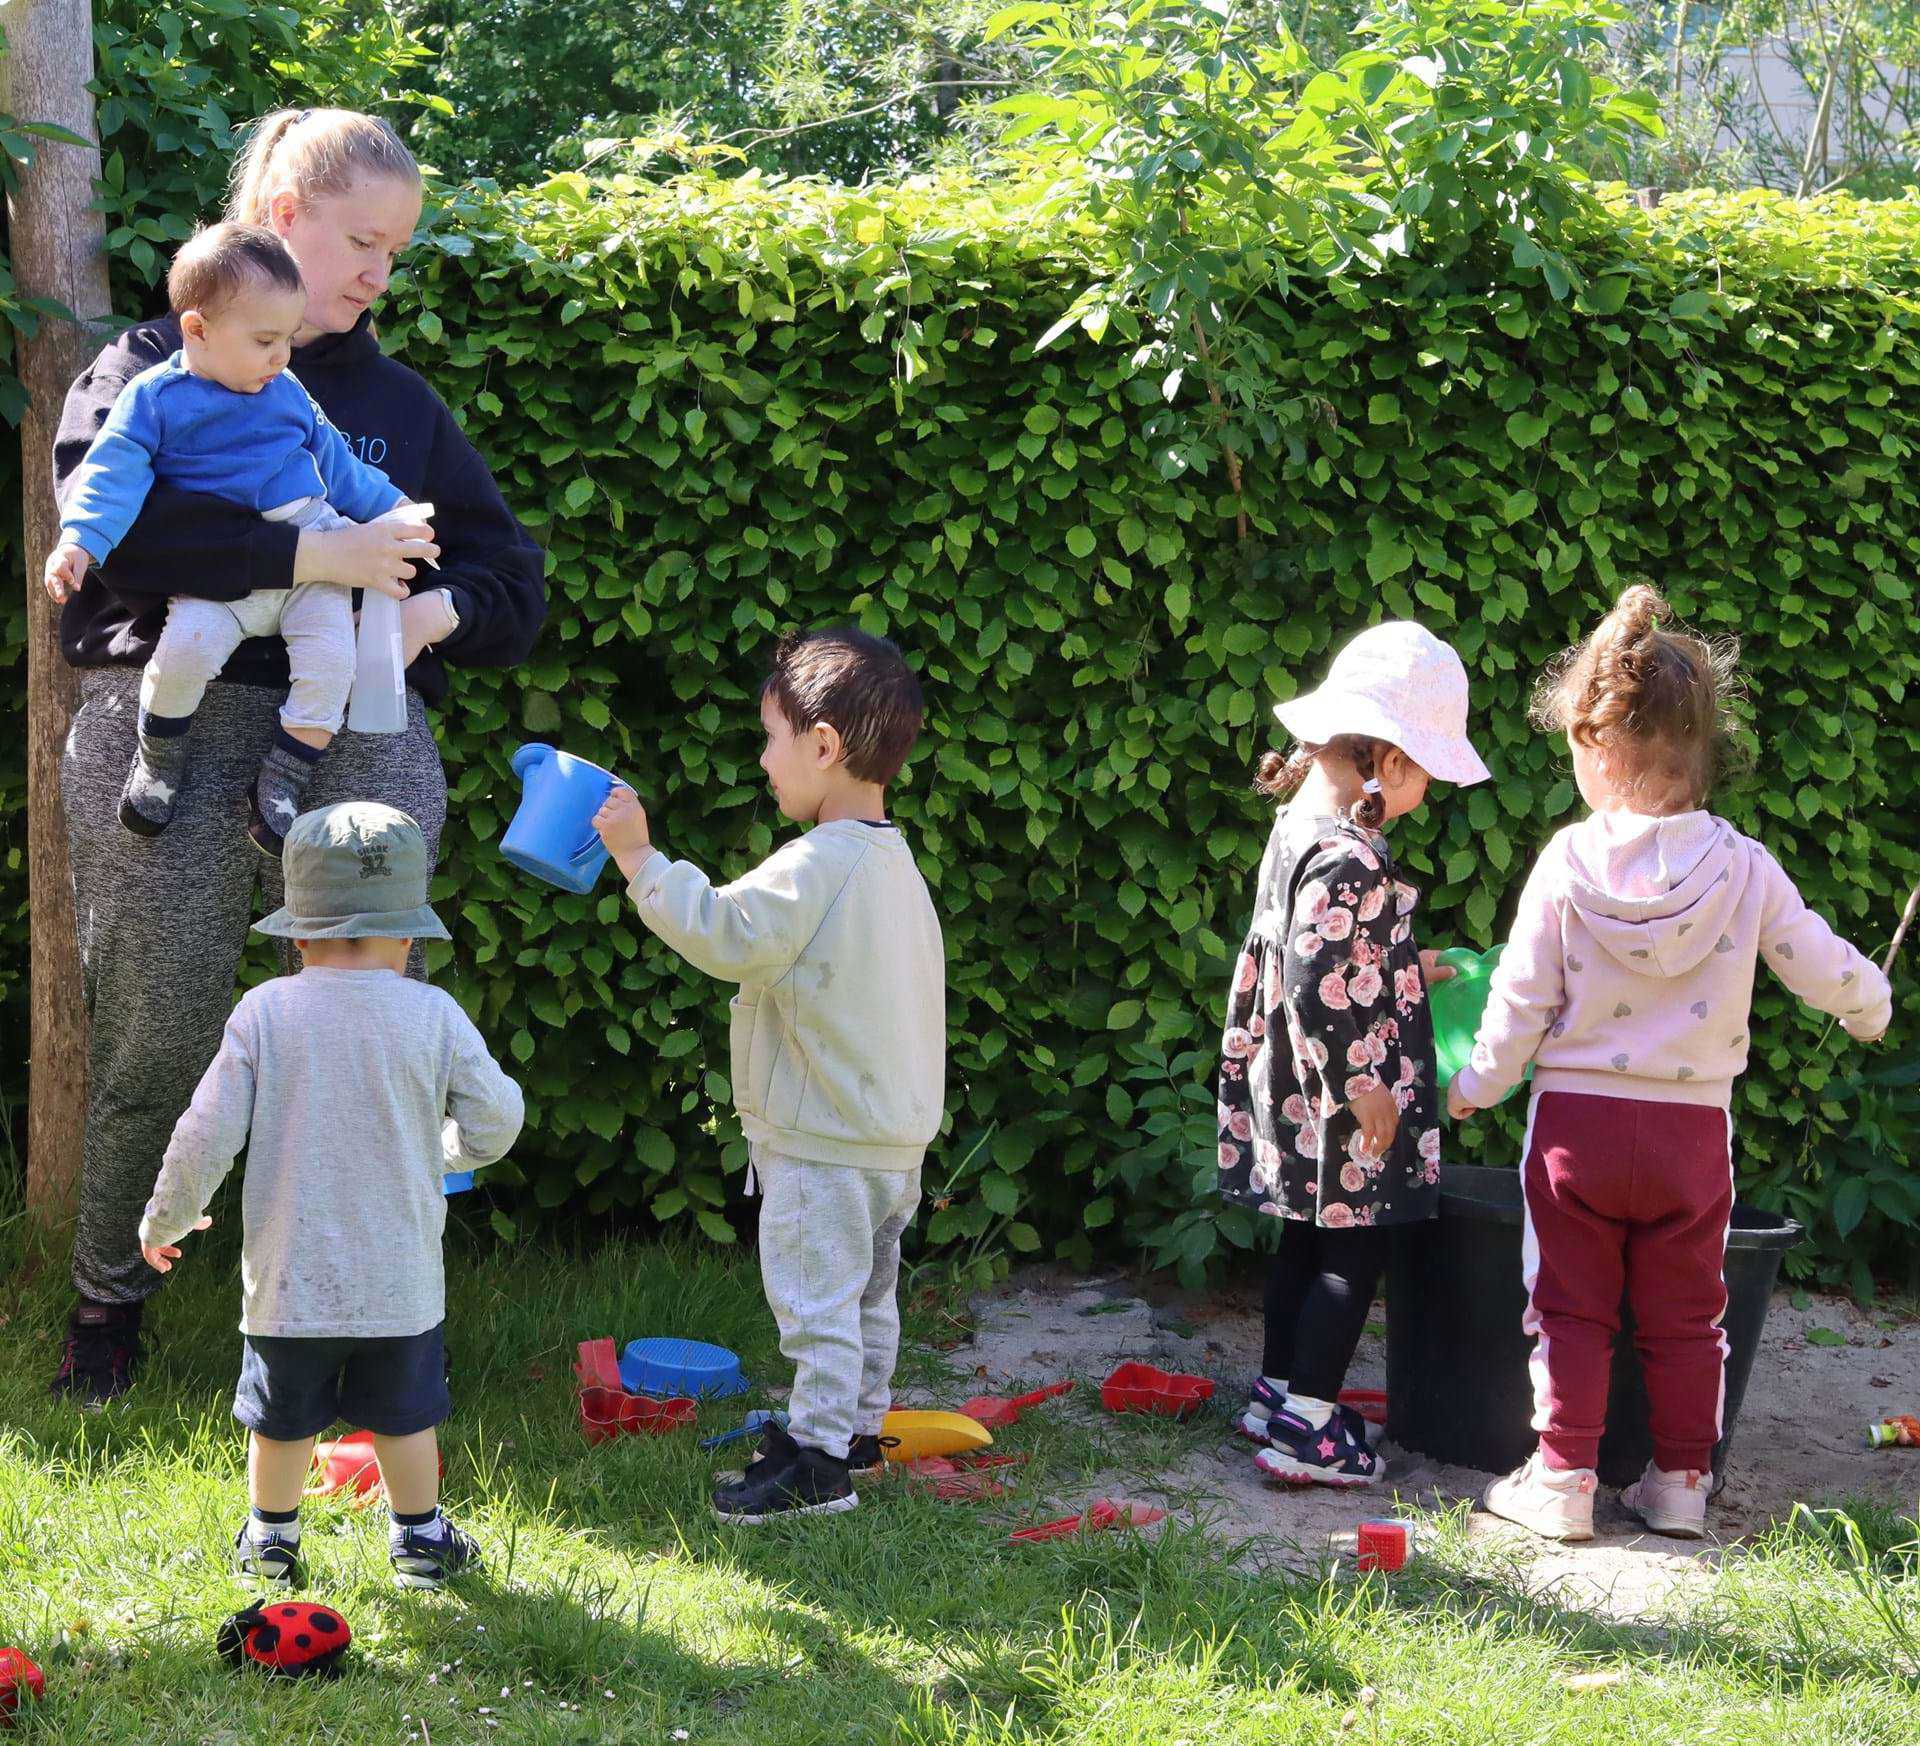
(291, 1389)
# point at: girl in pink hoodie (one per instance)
(1628, 983)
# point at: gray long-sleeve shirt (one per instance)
(360, 1089)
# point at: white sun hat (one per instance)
(1400, 683)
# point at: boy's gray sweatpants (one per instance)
(162, 922)
(830, 1260)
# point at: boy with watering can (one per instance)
(838, 1044)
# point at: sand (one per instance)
(1800, 1436)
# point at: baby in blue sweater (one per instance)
(222, 416)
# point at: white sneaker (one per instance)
(1555, 1504)
(1670, 1503)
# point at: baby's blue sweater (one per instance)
(258, 450)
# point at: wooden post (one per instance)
(59, 251)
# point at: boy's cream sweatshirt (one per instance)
(1630, 969)
(839, 1031)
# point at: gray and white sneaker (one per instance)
(424, 1560)
(268, 1557)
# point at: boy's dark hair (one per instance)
(221, 260)
(860, 685)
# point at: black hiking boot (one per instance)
(101, 1356)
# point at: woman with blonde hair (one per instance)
(163, 919)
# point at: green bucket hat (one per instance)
(356, 871)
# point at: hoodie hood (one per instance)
(1656, 893)
(337, 351)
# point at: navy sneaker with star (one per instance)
(1336, 1454)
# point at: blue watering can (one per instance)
(552, 835)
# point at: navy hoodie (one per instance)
(187, 543)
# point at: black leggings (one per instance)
(1319, 1289)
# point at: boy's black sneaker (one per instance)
(101, 1356)
(269, 1559)
(869, 1454)
(794, 1482)
(423, 1560)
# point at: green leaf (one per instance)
(1527, 428)
(1123, 1015)
(1849, 1206)
(1080, 541)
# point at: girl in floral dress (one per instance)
(1329, 1115)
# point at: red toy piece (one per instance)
(1141, 1388)
(607, 1410)
(606, 1413)
(996, 1411)
(1382, 1546)
(959, 1478)
(1369, 1403)
(288, 1639)
(1104, 1512)
(20, 1681)
(598, 1366)
(351, 1465)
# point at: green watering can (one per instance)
(1457, 1005)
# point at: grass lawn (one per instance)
(617, 1609)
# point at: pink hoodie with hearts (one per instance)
(1630, 969)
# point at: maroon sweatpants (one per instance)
(1634, 1197)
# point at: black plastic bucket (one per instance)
(1458, 1388)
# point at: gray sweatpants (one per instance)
(162, 922)
(830, 1261)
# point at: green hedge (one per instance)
(731, 407)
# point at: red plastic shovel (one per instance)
(1104, 1512)
(998, 1410)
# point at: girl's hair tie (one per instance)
(1370, 786)
(304, 115)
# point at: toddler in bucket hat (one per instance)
(353, 1089)
(1396, 682)
(355, 871)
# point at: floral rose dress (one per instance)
(1328, 1001)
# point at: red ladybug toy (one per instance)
(289, 1639)
(19, 1681)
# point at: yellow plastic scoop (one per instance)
(921, 1434)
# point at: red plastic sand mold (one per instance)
(607, 1410)
(1141, 1388)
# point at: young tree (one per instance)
(58, 299)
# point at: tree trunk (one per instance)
(58, 249)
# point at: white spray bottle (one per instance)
(379, 701)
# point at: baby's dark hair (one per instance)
(219, 261)
(1656, 702)
(1277, 777)
(860, 685)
